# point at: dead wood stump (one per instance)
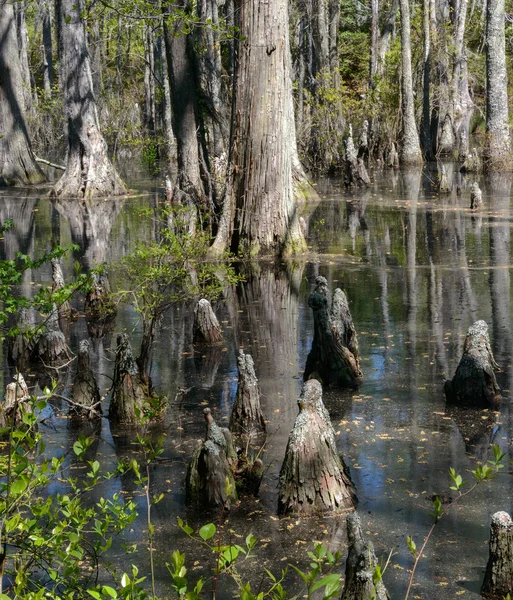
(85, 394)
(210, 481)
(129, 393)
(498, 579)
(312, 477)
(247, 418)
(360, 566)
(474, 382)
(334, 357)
(16, 403)
(51, 345)
(476, 196)
(206, 326)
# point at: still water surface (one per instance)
(418, 269)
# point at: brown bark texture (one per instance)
(129, 393)
(51, 345)
(312, 478)
(15, 403)
(498, 579)
(474, 382)
(334, 357)
(360, 565)
(247, 418)
(206, 326)
(85, 393)
(17, 163)
(89, 171)
(210, 481)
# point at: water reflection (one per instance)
(418, 268)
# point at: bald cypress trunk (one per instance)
(17, 164)
(265, 177)
(89, 171)
(410, 152)
(498, 141)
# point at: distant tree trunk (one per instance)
(192, 184)
(265, 177)
(386, 35)
(426, 97)
(333, 27)
(149, 80)
(47, 47)
(169, 138)
(21, 32)
(498, 141)
(374, 35)
(89, 171)
(410, 152)
(17, 164)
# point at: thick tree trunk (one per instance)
(210, 480)
(474, 382)
(129, 393)
(26, 73)
(206, 326)
(312, 477)
(410, 152)
(360, 566)
(498, 580)
(89, 171)
(192, 184)
(334, 356)
(498, 141)
(17, 164)
(47, 47)
(260, 213)
(85, 394)
(247, 419)
(169, 137)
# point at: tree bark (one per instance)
(410, 152)
(498, 141)
(89, 171)
(26, 72)
(247, 419)
(312, 477)
(426, 92)
(47, 47)
(17, 163)
(265, 177)
(15, 403)
(85, 393)
(51, 345)
(498, 579)
(474, 382)
(206, 326)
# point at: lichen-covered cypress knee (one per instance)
(474, 382)
(498, 579)
(65, 310)
(247, 418)
(360, 566)
(129, 393)
(312, 478)
(98, 305)
(85, 393)
(51, 345)
(15, 403)
(210, 481)
(206, 326)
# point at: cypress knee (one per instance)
(312, 478)
(498, 580)
(360, 566)
(51, 346)
(474, 382)
(85, 393)
(15, 404)
(206, 326)
(247, 417)
(210, 480)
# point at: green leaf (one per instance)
(19, 485)
(328, 580)
(110, 591)
(207, 531)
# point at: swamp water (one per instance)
(418, 269)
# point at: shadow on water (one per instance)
(418, 269)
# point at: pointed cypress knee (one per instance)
(474, 382)
(15, 403)
(129, 393)
(85, 393)
(360, 566)
(312, 477)
(498, 580)
(210, 481)
(206, 326)
(247, 418)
